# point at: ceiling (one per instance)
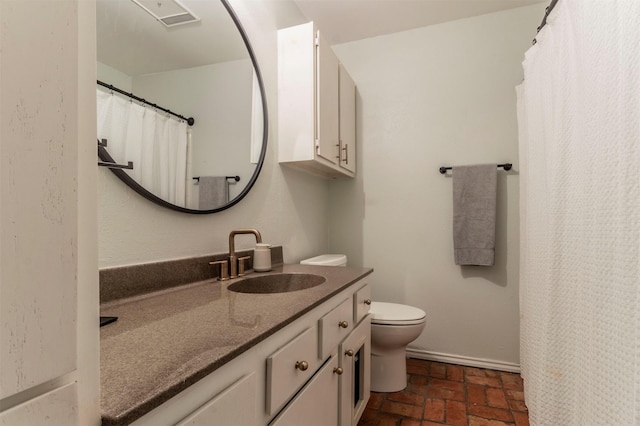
(133, 42)
(342, 21)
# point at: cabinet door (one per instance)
(233, 406)
(317, 403)
(347, 121)
(327, 100)
(355, 388)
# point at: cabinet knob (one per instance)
(349, 352)
(302, 365)
(343, 324)
(338, 370)
(367, 301)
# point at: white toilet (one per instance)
(393, 327)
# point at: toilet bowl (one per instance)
(393, 327)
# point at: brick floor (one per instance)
(446, 394)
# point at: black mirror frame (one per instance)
(129, 181)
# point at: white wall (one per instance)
(288, 207)
(430, 97)
(112, 76)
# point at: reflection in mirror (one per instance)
(202, 68)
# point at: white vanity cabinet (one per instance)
(316, 105)
(338, 393)
(299, 375)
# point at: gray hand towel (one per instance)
(474, 214)
(213, 192)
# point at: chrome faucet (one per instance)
(233, 261)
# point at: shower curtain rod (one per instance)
(190, 121)
(506, 166)
(547, 11)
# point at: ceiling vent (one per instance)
(169, 12)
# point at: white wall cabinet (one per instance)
(286, 379)
(316, 105)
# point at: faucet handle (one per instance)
(224, 274)
(241, 264)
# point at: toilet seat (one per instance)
(383, 313)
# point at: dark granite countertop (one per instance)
(164, 342)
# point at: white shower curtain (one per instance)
(579, 131)
(155, 142)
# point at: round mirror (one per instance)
(182, 115)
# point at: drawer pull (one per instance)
(302, 365)
(343, 324)
(367, 301)
(338, 370)
(348, 352)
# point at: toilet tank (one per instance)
(326, 260)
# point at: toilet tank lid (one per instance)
(327, 260)
(383, 311)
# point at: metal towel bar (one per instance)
(506, 166)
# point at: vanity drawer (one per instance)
(233, 405)
(361, 303)
(290, 367)
(335, 326)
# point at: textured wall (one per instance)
(48, 250)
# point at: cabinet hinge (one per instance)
(316, 40)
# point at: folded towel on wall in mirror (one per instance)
(213, 192)
(474, 214)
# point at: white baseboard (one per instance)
(463, 360)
